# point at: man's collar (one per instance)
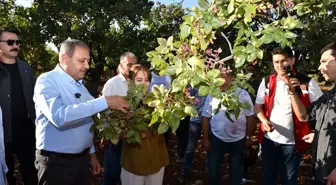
(67, 77)
(122, 77)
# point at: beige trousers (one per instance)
(128, 178)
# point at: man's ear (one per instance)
(65, 58)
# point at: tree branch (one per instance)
(230, 47)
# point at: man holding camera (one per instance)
(282, 135)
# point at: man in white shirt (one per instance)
(118, 85)
(225, 136)
(280, 132)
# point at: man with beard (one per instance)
(323, 114)
(16, 100)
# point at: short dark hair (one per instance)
(69, 46)
(6, 29)
(331, 47)
(286, 51)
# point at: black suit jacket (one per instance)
(28, 82)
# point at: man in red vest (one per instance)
(280, 130)
(323, 112)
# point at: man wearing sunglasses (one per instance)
(16, 100)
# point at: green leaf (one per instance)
(185, 31)
(216, 23)
(249, 49)
(162, 89)
(207, 28)
(231, 18)
(228, 116)
(290, 35)
(174, 124)
(170, 42)
(230, 8)
(266, 39)
(236, 113)
(203, 4)
(154, 103)
(162, 42)
(176, 85)
(195, 81)
(155, 118)
(156, 91)
(191, 111)
(187, 19)
(130, 133)
(216, 92)
(203, 90)
(192, 61)
(252, 56)
(260, 54)
(177, 44)
(149, 97)
(163, 127)
(249, 8)
(171, 70)
(240, 60)
(238, 49)
(204, 45)
(218, 82)
(213, 74)
(245, 105)
(137, 137)
(247, 18)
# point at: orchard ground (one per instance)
(199, 172)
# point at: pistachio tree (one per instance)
(192, 60)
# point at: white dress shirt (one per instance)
(117, 85)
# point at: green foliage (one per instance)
(195, 60)
(217, 37)
(112, 124)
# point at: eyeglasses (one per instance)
(11, 42)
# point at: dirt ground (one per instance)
(199, 173)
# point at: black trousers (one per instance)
(25, 153)
(56, 170)
(182, 136)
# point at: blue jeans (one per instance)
(215, 159)
(279, 159)
(194, 135)
(112, 166)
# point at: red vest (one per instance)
(300, 128)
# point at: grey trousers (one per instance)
(62, 170)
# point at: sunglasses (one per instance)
(11, 42)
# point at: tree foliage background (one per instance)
(111, 27)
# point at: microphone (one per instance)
(78, 95)
(290, 73)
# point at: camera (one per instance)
(290, 73)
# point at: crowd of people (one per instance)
(46, 123)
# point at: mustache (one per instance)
(15, 49)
